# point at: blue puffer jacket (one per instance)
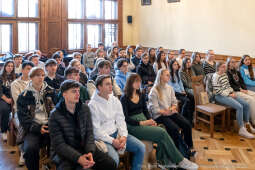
(121, 79)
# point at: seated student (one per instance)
(104, 67)
(187, 99)
(163, 106)
(102, 47)
(72, 73)
(121, 54)
(224, 94)
(185, 74)
(33, 108)
(109, 124)
(6, 78)
(17, 87)
(71, 133)
(58, 56)
(78, 56)
(160, 62)
(170, 57)
(248, 72)
(88, 59)
(35, 60)
(238, 85)
(146, 71)
(141, 125)
(137, 58)
(113, 55)
(209, 65)
(121, 73)
(83, 76)
(196, 66)
(159, 49)
(52, 79)
(152, 55)
(18, 63)
(129, 56)
(181, 56)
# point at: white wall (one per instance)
(227, 26)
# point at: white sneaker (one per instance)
(21, 159)
(243, 132)
(186, 164)
(4, 136)
(249, 126)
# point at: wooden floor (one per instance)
(226, 151)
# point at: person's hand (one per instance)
(89, 157)
(116, 143)
(44, 129)
(183, 92)
(174, 109)
(149, 82)
(244, 91)
(8, 100)
(84, 161)
(232, 95)
(122, 141)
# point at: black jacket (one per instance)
(61, 70)
(63, 132)
(146, 72)
(236, 80)
(55, 83)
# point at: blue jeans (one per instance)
(134, 146)
(241, 106)
(252, 88)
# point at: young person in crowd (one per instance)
(197, 67)
(17, 87)
(248, 72)
(71, 133)
(186, 74)
(238, 85)
(136, 59)
(113, 55)
(104, 67)
(224, 94)
(121, 73)
(35, 59)
(78, 56)
(58, 56)
(94, 72)
(7, 76)
(88, 59)
(170, 57)
(152, 55)
(18, 63)
(53, 79)
(141, 125)
(146, 71)
(109, 124)
(209, 65)
(33, 107)
(129, 56)
(160, 62)
(72, 73)
(163, 106)
(181, 56)
(160, 49)
(83, 76)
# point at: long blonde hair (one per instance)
(158, 85)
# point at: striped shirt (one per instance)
(221, 84)
(208, 68)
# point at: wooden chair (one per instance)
(209, 109)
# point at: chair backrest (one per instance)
(198, 87)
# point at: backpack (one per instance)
(209, 86)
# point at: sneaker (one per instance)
(243, 132)
(250, 128)
(4, 136)
(186, 164)
(21, 159)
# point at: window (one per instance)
(94, 35)
(75, 9)
(94, 9)
(110, 34)
(27, 36)
(75, 36)
(6, 8)
(111, 10)
(28, 8)
(5, 38)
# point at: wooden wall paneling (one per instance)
(43, 32)
(120, 24)
(64, 24)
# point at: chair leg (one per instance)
(195, 124)
(211, 125)
(228, 118)
(223, 120)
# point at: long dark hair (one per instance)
(128, 90)
(172, 73)
(158, 60)
(184, 67)
(151, 58)
(4, 73)
(127, 52)
(194, 56)
(250, 68)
